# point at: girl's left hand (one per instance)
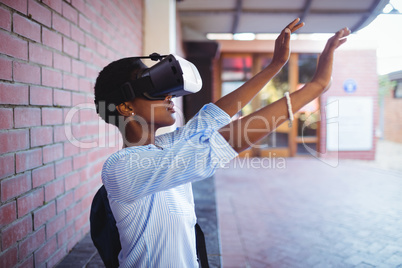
(282, 43)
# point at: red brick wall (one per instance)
(393, 119)
(361, 66)
(51, 52)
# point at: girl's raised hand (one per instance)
(282, 43)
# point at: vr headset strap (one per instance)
(129, 91)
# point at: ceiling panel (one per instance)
(196, 5)
(261, 23)
(270, 16)
(273, 5)
(215, 24)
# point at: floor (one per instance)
(305, 213)
(298, 212)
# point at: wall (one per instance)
(393, 119)
(356, 59)
(51, 53)
(361, 66)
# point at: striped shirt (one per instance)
(150, 194)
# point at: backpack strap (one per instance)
(104, 233)
(201, 247)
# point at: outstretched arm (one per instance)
(248, 130)
(234, 101)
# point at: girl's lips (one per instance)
(170, 107)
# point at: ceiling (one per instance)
(199, 17)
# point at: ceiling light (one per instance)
(219, 36)
(244, 36)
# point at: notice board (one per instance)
(349, 123)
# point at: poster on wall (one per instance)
(349, 123)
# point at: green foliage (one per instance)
(385, 86)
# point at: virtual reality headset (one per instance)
(171, 76)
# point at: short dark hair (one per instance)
(111, 78)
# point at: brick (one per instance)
(5, 19)
(15, 186)
(28, 263)
(40, 13)
(81, 191)
(55, 225)
(13, 94)
(62, 62)
(14, 140)
(51, 78)
(77, 35)
(87, 115)
(13, 46)
(27, 117)
(71, 116)
(39, 54)
(72, 181)
(56, 257)
(51, 39)
(66, 234)
(44, 214)
(60, 133)
(70, 13)
(25, 27)
(70, 149)
(78, 98)
(81, 221)
(91, 42)
(52, 153)
(41, 96)
(6, 165)
(26, 160)
(26, 73)
(8, 213)
(16, 231)
(54, 189)
(41, 136)
(6, 118)
(79, 161)
(62, 98)
(64, 201)
(78, 67)
(84, 23)
(61, 24)
(70, 82)
(70, 47)
(86, 86)
(43, 253)
(6, 69)
(42, 175)
(52, 116)
(21, 5)
(30, 202)
(9, 258)
(73, 211)
(31, 243)
(63, 167)
(53, 4)
(92, 72)
(85, 55)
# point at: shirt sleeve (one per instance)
(138, 172)
(210, 116)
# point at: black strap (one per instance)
(201, 248)
(104, 232)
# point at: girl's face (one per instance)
(159, 113)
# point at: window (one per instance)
(398, 90)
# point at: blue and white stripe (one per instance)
(150, 193)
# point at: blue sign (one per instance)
(350, 86)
